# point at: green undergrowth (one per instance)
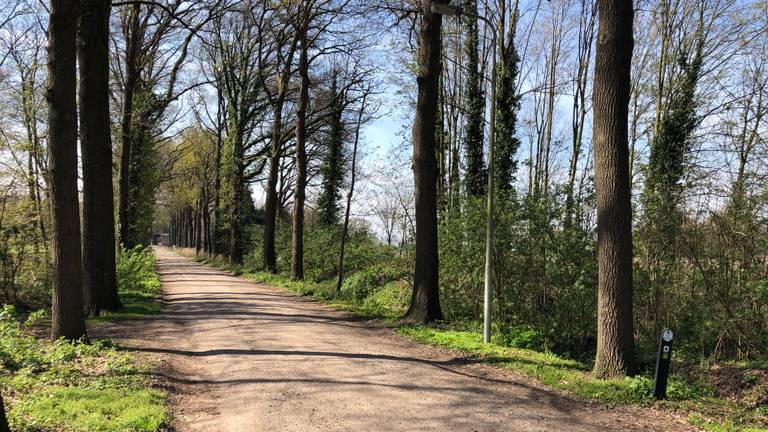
(692, 391)
(79, 386)
(73, 386)
(138, 285)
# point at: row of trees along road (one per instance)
(189, 112)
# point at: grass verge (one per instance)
(79, 386)
(693, 392)
(74, 386)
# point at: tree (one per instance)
(277, 100)
(332, 168)
(475, 107)
(28, 61)
(353, 175)
(579, 112)
(99, 275)
(297, 231)
(3, 419)
(149, 85)
(67, 305)
(315, 19)
(425, 299)
(132, 42)
(238, 57)
(507, 106)
(611, 92)
(670, 149)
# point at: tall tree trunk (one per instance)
(634, 135)
(297, 237)
(215, 249)
(199, 225)
(67, 304)
(425, 300)
(272, 199)
(3, 419)
(172, 230)
(190, 227)
(206, 220)
(29, 114)
(475, 106)
(238, 189)
(345, 227)
(579, 113)
(557, 28)
(441, 136)
(270, 204)
(99, 275)
(131, 79)
(507, 102)
(615, 344)
(184, 228)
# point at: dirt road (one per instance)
(242, 356)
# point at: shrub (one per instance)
(639, 387)
(364, 283)
(136, 273)
(521, 337)
(17, 349)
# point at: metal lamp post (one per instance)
(450, 10)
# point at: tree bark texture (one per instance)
(99, 277)
(272, 199)
(67, 318)
(425, 300)
(131, 79)
(297, 234)
(615, 344)
(235, 213)
(270, 204)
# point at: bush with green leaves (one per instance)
(136, 276)
(24, 272)
(544, 279)
(364, 283)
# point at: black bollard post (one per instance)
(663, 359)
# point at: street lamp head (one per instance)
(446, 9)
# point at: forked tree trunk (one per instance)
(615, 344)
(425, 300)
(270, 205)
(99, 277)
(67, 303)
